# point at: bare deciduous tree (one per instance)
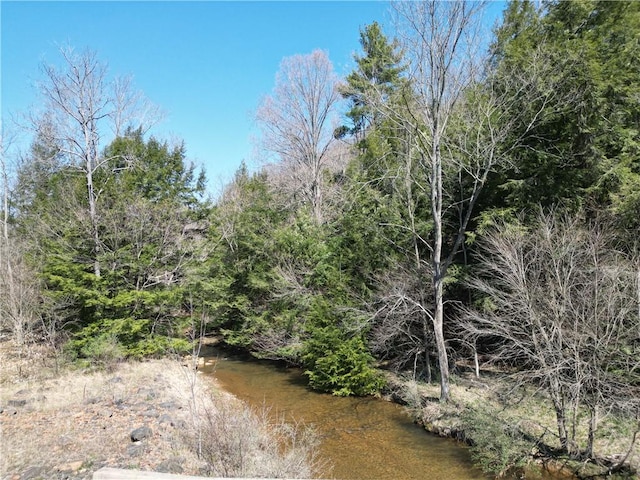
(458, 129)
(561, 306)
(296, 122)
(19, 301)
(439, 40)
(81, 102)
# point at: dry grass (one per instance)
(74, 422)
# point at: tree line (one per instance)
(439, 203)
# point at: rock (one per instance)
(135, 450)
(151, 413)
(115, 380)
(169, 405)
(8, 411)
(141, 433)
(17, 403)
(32, 472)
(165, 418)
(172, 465)
(148, 393)
(181, 424)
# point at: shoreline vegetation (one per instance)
(510, 430)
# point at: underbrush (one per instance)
(512, 432)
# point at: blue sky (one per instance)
(206, 63)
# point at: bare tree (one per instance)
(296, 122)
(132, 108)
(81, 102)
(457, 126)
(561, 307)
(20, 299)
(439, 43)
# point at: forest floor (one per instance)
(497, 410)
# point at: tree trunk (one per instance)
(438, 270)
(440, 343)
(558, 406)
(593, 426)
(94, 222)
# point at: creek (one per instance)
(363, 438)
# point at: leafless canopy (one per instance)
(296, 121)
(562, 307)
(80, 104)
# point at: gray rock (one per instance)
(172, 465)
(147, 392)
(165, 418)
(16, 402)
(141, 433)
(135, 450)
(169, 405)
(181, 424)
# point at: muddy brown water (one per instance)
(363, 438)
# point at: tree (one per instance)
(20, 292)
(296, 122)
(152, 226)
(455, 129)
(560, 305)
(79, 99)
(378, 74)
(583, 152)
(438, 40)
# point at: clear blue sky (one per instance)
(206, 63)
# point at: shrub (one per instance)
(497, 446)
(339, 365)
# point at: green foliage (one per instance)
(149, 197)
(377, 75)
(498, 447)
(584, 149)
(337, 361)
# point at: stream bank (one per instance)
(500, 423)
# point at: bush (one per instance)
(110, 340)
(497, 446)
(339, 365)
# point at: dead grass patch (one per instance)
(56, 418)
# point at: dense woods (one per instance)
(442, 202)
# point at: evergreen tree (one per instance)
(583, 150)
